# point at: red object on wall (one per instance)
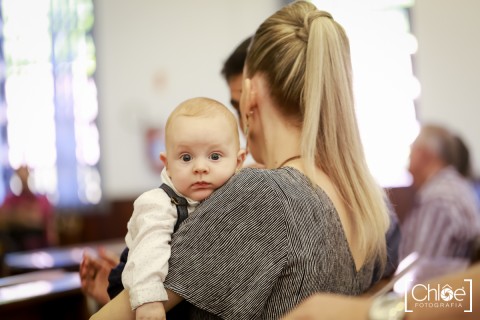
(155, 143)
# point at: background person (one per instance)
(445, 217)
(94, 272)
(232, 71)
(463, 161)
(315, 220)
(27, 218)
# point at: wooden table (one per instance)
(52, 294)
(67, 258)
(45, 284)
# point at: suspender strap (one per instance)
(180, 202)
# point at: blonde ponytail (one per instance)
(305, 56)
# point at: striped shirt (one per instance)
(259, 245)
(444, 219)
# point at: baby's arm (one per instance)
(150, 311)
(148, 238)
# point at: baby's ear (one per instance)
(242, 153)
(163, 158)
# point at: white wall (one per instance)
(151, 55)
(448, 66)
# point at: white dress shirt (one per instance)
(148, 238)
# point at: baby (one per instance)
(202, 153)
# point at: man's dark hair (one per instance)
(234, 64)
(462, 159)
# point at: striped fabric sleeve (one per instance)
(435, 229)
(228, 254)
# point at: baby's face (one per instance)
(202, 154)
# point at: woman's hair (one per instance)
(304, 56)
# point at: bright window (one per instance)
(48, 99)
(382, 47)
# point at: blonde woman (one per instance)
(315, 219)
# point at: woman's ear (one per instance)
(259, 90)
(247, 99)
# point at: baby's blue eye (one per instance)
(215, 156)
(186, 157)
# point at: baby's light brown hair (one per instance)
(203, 107)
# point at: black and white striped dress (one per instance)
(259, 245)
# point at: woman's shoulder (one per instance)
(280, 176)
(265, 183)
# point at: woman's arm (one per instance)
(330, 306)
(119, 307)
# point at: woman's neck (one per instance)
(281, 139)
(282, 143)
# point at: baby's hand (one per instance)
(151, 311)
